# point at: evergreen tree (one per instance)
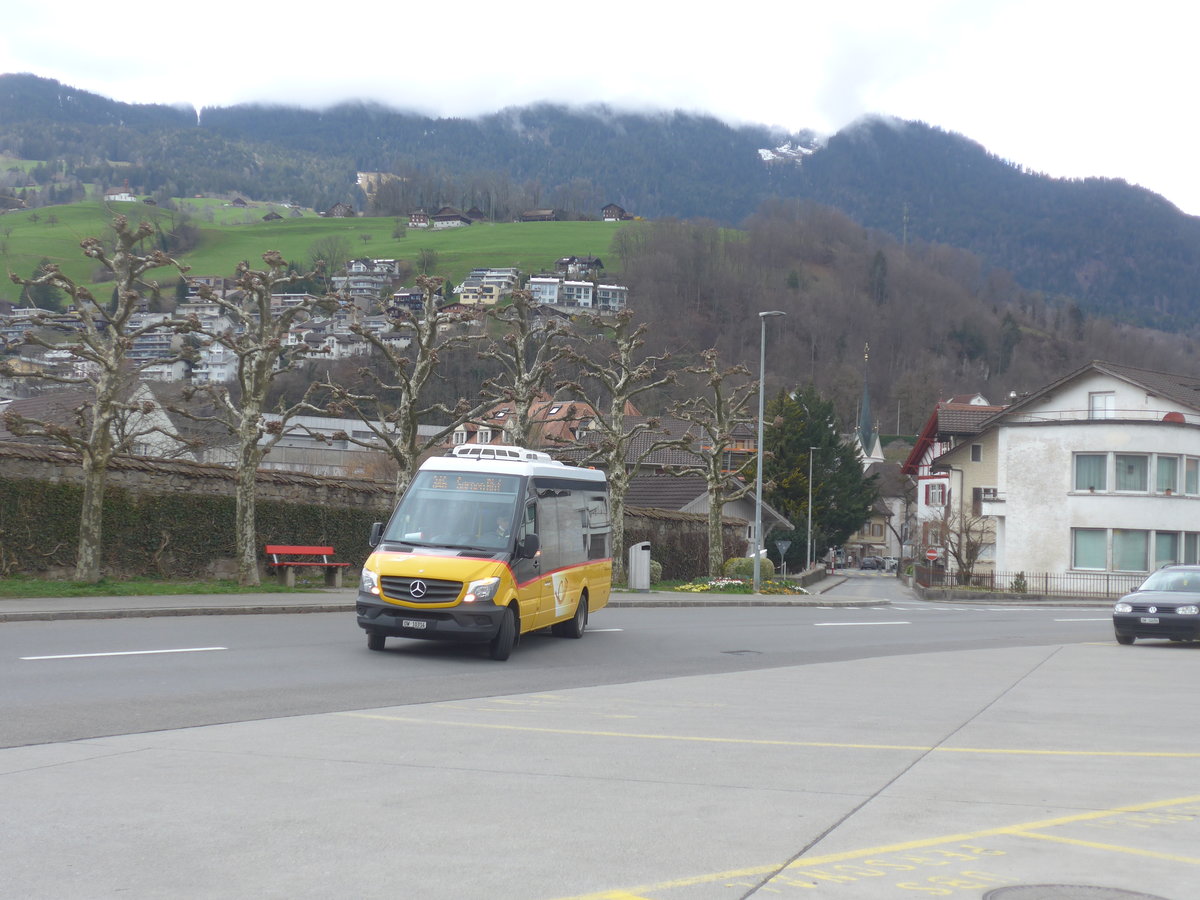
(842, 496)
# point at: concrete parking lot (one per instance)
(937, 774)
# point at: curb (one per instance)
(54, 615)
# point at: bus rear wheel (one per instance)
(577, 624)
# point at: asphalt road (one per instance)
(672, 754)
(68, 680)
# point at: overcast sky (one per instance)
(1065, 87)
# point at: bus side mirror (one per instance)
(376, 534)
(529, 547)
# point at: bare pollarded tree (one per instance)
(413, 360)
(98, 339)
(253, 328)
(609, 384)
(528, 349)
(715, 412)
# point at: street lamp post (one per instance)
(758, 478)
(808, 532)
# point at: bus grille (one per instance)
(430, 590)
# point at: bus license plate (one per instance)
(1149, 620)
(421, 623)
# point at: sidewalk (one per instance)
(342, 600)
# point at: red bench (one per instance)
(282, 560)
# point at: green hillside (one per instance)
(234, 234)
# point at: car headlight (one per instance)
(1190, 610)
(1123, 607)
(482, 590)
(368, 581)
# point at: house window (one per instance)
(1166, 477)
(460, 437)
(977, 453)
(1191, 543)
(935, 495)
(1131, 472)
(1102, 405)
(1130, 547)
(1091, 471)
(484, 436)
(1089, 549)
(1191, 475)
(1166, 548)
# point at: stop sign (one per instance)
(931, 554)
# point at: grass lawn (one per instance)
(20, 586)
(230, 234)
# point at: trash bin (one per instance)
(639, 567)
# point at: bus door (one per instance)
(533, 579)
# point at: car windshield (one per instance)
(1177, 580)
(464, 510)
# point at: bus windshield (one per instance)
(461, 510)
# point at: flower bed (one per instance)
(727, 585)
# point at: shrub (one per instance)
(655, 571)
(743, 567)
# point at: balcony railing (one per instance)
(1113, 415)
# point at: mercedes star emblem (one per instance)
(417, 589)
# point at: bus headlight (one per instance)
(368, 581)
(482, 591)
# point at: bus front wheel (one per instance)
(502, 644)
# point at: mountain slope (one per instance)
(1117, 250)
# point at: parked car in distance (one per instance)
(871, 562)
(890, 563)
(1167, 605)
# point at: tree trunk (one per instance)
(246, 529)
(91, 522)
(617, 514)
(716, 545)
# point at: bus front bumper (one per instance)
(465, 622)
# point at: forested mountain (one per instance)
(1115, 250)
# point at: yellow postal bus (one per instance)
(489, 543)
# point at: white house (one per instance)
(1096, 473)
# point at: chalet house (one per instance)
(539, 215)
(448, 217)
(239, 202)
(339, 211)
(614, 213)
(579, 266)
(475, 214)
(272, 216)
(953, 422)
(1095, 473)
(119, 195)
(418, 219)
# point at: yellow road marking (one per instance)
(1153, 854)
(1021, 831)
(763, 742)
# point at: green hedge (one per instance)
(165, 535)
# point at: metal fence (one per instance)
(1041, 584)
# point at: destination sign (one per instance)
(484, 484)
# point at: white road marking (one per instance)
(821, 624)
(599, 630)
(1101, 619)
(127, 653)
